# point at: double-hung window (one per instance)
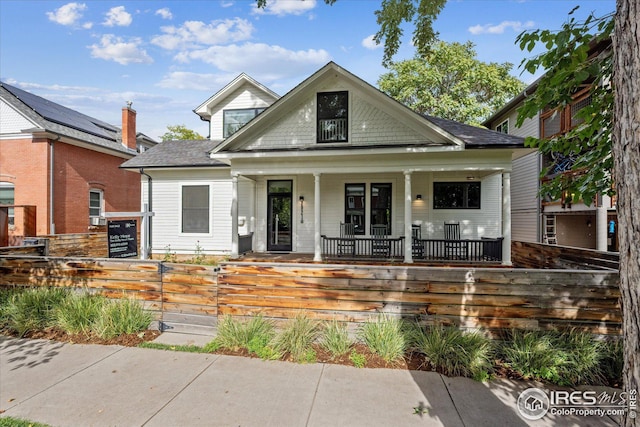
(7, 197)
(233, 120)
(355, 207)
(195, 209)
(333, 116)
(381, 205)
(456, 195)
(96, 203)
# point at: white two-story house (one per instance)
(285, 174)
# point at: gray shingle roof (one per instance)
(192, 153)
(62, 120)
(477, 137)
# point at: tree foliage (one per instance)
(577, 57)
(180, 133)
(391, 17)
(450, 82)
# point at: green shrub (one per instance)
(335, 338)
(297, 338)
(359, 360)
(532, 354)
(583, 358)
(119, 317)
(564, 358)
(612, 361)
(235, 335)
(455, 353)
(79, 312)
(33, 309)
(385, 336)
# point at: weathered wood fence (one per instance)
(540, 255)
(193, 296)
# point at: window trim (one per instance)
(256, 110)
(465, 185)
(318, 118)
(390, 223)
(100, 193)
(501, 125)
(566, 117)
(347, 199)
(209, 209)
(11, 211)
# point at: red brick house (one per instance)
(64, 163)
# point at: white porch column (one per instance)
(234, 216)
(601, 228)
(408, 253)
(317, 240)
(506, 218)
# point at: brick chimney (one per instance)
(129, 126)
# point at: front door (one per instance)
(279, 215)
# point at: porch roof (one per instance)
(177, 153)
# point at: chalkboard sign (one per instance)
(123, 238)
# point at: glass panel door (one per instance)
(279, 215)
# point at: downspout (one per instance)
(149, 199)
(52, 224)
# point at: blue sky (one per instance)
(170, 56)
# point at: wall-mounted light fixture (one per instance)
(418, 196)
(301, 198)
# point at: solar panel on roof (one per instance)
(62, 115)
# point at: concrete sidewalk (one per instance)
(93, 385)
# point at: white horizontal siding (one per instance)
(167, 235)
(524, 225)
(368, 124)
(246, 96)
(525, 177)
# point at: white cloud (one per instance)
(67, 15)
(117, 16)
(112, 48)
(285, 7)
(369, 43)
(193, 34)
(196, 81)
(165, 13)
(262, 61)
(516, 26)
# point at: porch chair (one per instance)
(417, 246)
(380, 245)
(347, 242)
(454, 247)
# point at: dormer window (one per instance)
(333, 114)
(235, 119)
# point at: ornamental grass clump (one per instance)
(335, 338)
(256, 335)
(385, 336)
(125, 316)
(79, 312)
(452, 352)
(297, 338)
(564, 358)
(33, 309)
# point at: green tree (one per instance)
(606, 144)
(578, 56)
(180, 133)
(390, 18)
(450, 82)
